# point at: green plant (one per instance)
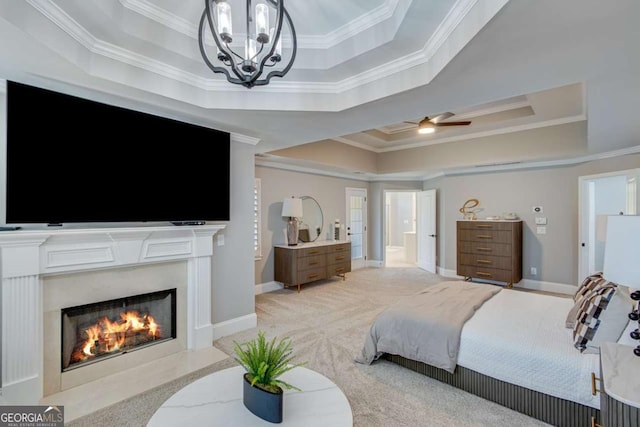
(266, 361)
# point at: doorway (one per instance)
(614, 193)
(356, 202)
(400, 229)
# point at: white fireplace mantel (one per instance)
(26, 256)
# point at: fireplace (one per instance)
(95, 332)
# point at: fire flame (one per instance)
(108, 336)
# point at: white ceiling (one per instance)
(361, 66)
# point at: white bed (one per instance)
(520, 338)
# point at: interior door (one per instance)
(357, 225)
(426, 230)
(614, 193)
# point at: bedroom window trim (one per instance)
(257, 219)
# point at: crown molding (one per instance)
(244, 139)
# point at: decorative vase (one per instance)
(262, 403)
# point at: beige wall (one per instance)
(333, 153)
(555, 255)
(277, 184)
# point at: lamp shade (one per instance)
(621, 263)
(292, 207)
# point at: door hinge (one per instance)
(365, 257)
(365, 200)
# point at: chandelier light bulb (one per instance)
(223, 12)
(262, 23)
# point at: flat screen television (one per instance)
(73, 160)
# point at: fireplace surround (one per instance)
(32, 260)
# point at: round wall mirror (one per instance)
(310, 227)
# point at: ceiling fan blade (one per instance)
(413, 123)
(440, 117)
(453, 124)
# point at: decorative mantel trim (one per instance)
(26, 256)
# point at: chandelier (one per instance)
(260, 46)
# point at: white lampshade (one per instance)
(292, 207)
(621, 250)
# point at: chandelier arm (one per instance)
(203, 51)
(254, 78)
(226, 50)
(285, 70)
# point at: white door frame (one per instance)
(385, 219)
(586, 224)
(348, 191)
(426, 231)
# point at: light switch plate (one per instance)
(541, 230)
(541, 220)
(220, 239)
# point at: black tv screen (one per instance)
(72, 160)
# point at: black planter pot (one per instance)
(262, 403)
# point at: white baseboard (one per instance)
(232, 326)
(263, 288)
(374, 263)
(536, 285)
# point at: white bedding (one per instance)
(521, 338)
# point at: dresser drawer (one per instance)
(311, 262)
(485, 248)
(338, 269)
(485, 225)
(496, 236)
(318, 250)
(312, 274)
(486, 261)
(485, 273)
(340, 247)
(337, 257)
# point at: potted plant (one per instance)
(265, 362)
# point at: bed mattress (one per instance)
(521, 338)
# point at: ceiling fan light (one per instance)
(426, 130)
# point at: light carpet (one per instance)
(327, 323)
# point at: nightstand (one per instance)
(620, 383)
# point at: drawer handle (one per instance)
(313, 276)
(339, 249)
(313, 252)
(339, 258)
(485, 236)
(594, 423)
(481, 274)
(484, 261)
(340, 270)
(594, 389)
(485, 249)
(314, 263)
(484, 226)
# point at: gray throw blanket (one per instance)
(426, 326)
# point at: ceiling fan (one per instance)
(429, 124)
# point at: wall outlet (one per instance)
(534, 271)
(220, 239)
(541, 230)
(541, 220)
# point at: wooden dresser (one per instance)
(490, 250)
(308, 262)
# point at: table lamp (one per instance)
(292, 208)
(621, 263)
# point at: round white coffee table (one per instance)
(216, 400)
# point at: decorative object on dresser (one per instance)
(490, 250)
(308, 262)
(265, 362)
(468, 209)
(621, 259)
(292, 208)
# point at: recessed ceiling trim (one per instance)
(245, 139)
(325, 41)
(432, 141)
(493, 132)
(491, 110)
